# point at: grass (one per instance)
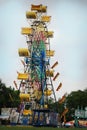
(34, 128)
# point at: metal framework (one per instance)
(36, 85)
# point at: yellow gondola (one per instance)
(50, 34)
(27, 112)
(23, 76)
(31, 15)
(26, 31)
(46, 18)
(39, 8)
(49, 53)
(23, 52)
(47, 92)
(36, 7)
(43, 9)
(24, 96)
(50, 73)
(38, 94)
(46, 106)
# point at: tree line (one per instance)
(9, 97)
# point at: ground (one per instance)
(33, 128)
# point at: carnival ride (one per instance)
(36, 82)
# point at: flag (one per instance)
(64, 112)
(60, 85)
(55, 64)
(62, 99)
(23, 62)
(11, 97)
(55, 76)
(15, 84)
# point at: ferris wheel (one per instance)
(36, 82)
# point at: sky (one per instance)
(69, 23)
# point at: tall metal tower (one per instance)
(36, 81)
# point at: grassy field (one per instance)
(34, 128)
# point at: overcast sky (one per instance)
(69, 23)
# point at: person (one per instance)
(76, 122)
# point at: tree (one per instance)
(8, 96)
(75, 99)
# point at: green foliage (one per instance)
(8, 96)
(75, 99)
